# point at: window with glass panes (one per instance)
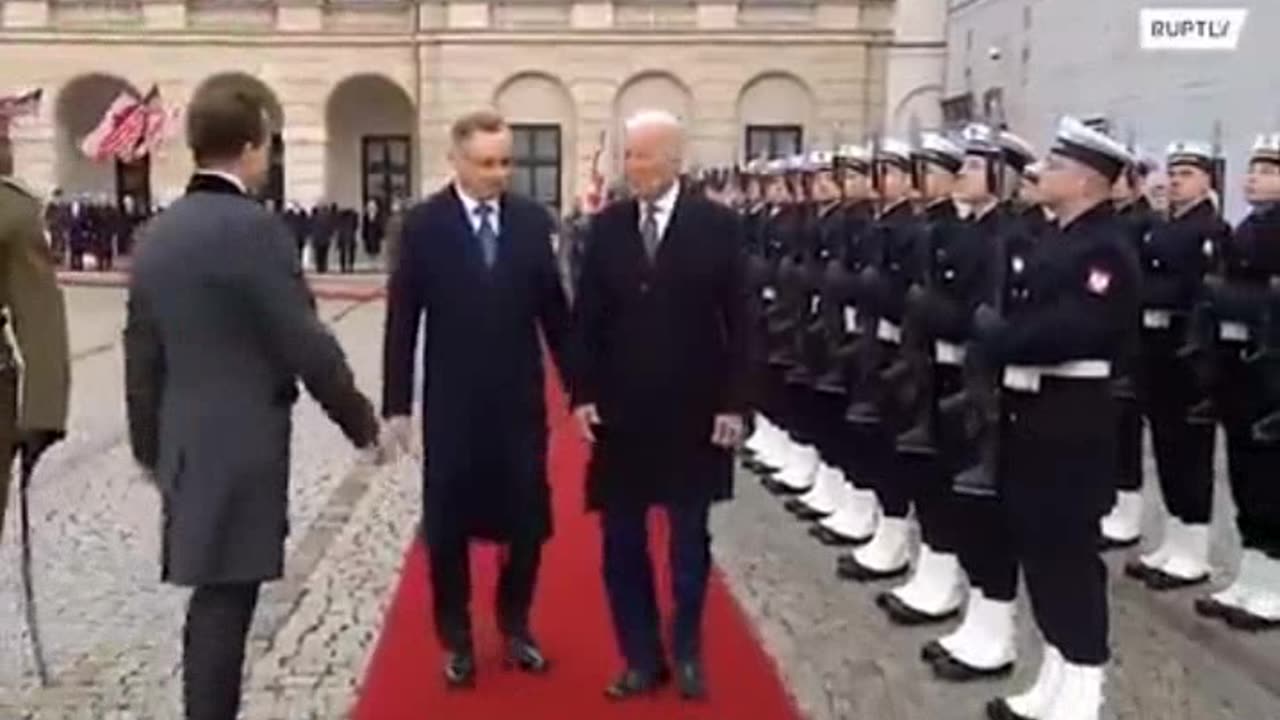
(388, 170)
(773, 141)
(536, 161)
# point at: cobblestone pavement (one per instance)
(112, 630)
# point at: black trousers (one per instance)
(320, 251)
(1183, 452)
(1129, 445)
(450, 560)
(1057, 464)
(213, 644)
(1252, 467)
(628, 577)
(347, 255)
(831, 431)
(984, 544)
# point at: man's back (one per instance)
(220, 327)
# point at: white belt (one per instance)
(1233, 332)
(888, 332)
(850, 319)
(1156, 319)
(948, 353)
(1027, 377)
(769, 293)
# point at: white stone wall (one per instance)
(720, 73)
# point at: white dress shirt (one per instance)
(471, 205)
(665, 207)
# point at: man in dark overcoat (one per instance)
(477, 263)
(661, 369)
(220, 327)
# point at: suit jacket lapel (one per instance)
(466, 233)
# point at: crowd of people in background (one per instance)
(93, 231)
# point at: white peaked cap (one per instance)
(1091, 148)
(1266, 147)
(893, 149)
(820, 160)
(856, 153)
(1190, 149)
(937, 149)
(1017, 151)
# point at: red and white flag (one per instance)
(159, 121)
(121, 127)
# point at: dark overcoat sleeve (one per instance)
(589, 309)
(144, 377)
(405, 306)
(735, 299)
(553, 306)
(278, 296)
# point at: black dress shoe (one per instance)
(523, 654)
(1108, 544)
(1210, 607)
(933, 651)
(1138, 571)
(903, 614)
(1161, 581)
(460, 670)
(636, 683)
(830, 538)
(1242, 619)
(847, 568)
(689, 678)
(950, 669)
(1000, 710)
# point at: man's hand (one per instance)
(588, 417)
(33, 443)
(727, 431)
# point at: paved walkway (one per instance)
(112, 630)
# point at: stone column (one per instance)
(304, 160)
(35, 150)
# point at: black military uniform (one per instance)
(986, 265)
(1058, 341)
(888, 254)
(1246, 391)
(1121, 528)
(934, 592)
(1175, 258)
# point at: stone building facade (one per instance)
(362, 91)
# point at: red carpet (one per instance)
(572, 623)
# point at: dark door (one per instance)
(275, 172)
(134, 180)
(388, 169)
(536, 156)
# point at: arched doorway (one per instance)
(650, 91)
(81, 105)
(274, 189)
(370, 151)
(543, 125)
(775, 116)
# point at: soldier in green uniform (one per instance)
(30, 301)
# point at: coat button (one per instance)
(644, 287)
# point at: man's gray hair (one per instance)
(652, 118)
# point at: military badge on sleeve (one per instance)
(1099, 281)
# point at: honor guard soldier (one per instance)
(782, 228)
(1176, 257)
(768, 445)
(1248, 296)
(33, 408)
(1121, 528)
(934, 593)
(1037, 218)
(1058, 342)
(856, 509)
(887, 254)
(820, 337)
(985, 265)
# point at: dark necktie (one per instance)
(487, 236)
(649, 229)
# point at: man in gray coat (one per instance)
(220, 328)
